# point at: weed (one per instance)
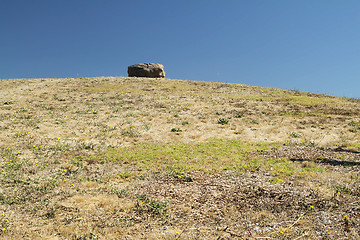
(223, 121)
(130, 132)
(181, 177)
(345, 189)
(176, 130)
(125, 175)
(121, 193)
(146, 126)
(309, 143)
(151, 207)
(8, 102)
(294, 135)
(356, 126)
(90, 236)
(77, 161)
(50, 214)
(58, 98)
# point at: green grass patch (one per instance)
(286, 168)
(212, 155)
(309, 101)
(355, 146)
(301, 114)
(276, 180)
(289, 97)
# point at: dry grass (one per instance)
(134, 158)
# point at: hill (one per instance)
(136, 158)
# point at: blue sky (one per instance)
(307, 45)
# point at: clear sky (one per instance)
(307, 45)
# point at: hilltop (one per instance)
(143, 158)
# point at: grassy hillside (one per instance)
(135, 158)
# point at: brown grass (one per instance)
(135, 158)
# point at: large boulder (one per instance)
(152, 70)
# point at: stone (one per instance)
(151, 70)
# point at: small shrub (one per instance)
(8, 102)
(176, 130)
(223, 121)
(50, 214)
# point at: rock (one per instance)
(152, 70)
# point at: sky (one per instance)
(305, 45)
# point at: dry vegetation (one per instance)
(133, 158)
